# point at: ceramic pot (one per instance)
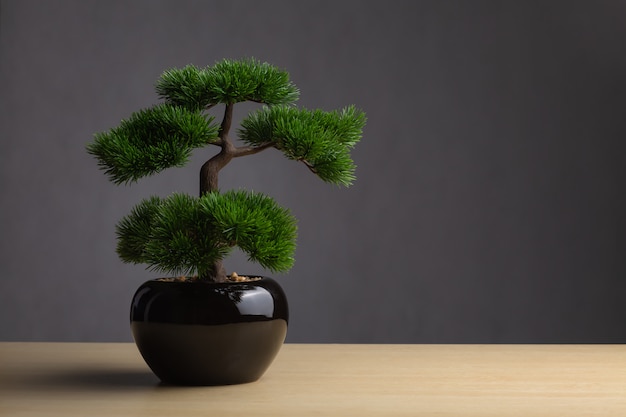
(202, 333)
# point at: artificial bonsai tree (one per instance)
(190, 236)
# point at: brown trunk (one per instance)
(216, 274)
(209, 177)
(210, 170)
(209, 183)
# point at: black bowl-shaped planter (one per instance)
(202, 333)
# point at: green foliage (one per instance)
(134, 231)
(256, 224)
(150, 141)
(228, 81)
(185, 87)
(320, 139)
(186, 235)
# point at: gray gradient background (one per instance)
(490, 199)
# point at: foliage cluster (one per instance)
(183, 234)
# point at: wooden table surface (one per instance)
(111, 379)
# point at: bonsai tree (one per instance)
(190, 236)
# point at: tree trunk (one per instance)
(216, 274)
(209, 174)
(210, 169)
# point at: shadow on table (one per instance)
(85, 379)
(109, 378)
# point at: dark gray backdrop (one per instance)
(489, 205)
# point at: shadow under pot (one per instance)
(204, 333)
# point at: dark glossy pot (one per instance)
(200, 333)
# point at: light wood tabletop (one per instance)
(111, 379)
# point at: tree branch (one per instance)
(309, 166)
(251, 150)
(226, 122)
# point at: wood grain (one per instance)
(100, 379)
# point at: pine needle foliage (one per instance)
(322, 140)
(256, 224)
(228, 81)
(186, 235)
(150, 141)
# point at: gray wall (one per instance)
(490, 199)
